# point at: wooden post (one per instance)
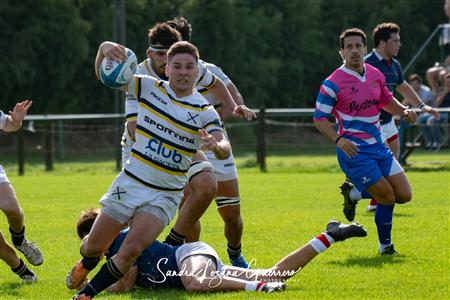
(60, 143)
(120, 36)
(118, 150)
(48, 146)
(21, 152)
(261, 140)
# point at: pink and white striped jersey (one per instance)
(355, 101)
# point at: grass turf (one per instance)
(282, 209)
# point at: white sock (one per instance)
(254, 286)
(321, 242)
(354, 194)
(383, 246)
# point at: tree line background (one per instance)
(277, 52)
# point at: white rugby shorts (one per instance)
(197, 248)
(127, 196)
(224, 170)
(389, 131)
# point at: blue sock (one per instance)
(383, 219)
(108, 274)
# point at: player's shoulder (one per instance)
(334, 77)
(371, 57)
(198, 99)
(142, 68)
(373, 71)
(210, 66)
(396, 63)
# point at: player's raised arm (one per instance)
(13, 121)
(114, 52)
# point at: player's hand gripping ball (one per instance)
(115, 75)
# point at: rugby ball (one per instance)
(115, 75)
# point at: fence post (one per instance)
(21, 152)
(48, 146)
(118, 148)
(261, 140)
(60, 153)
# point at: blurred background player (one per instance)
(386, 40)
(14, 213)
(203, 269)
(227, 197)
(355, 94)
(430, 125)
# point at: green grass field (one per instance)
(282, 209)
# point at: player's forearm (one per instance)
(220, 91)
(98, 60)
(327, 129)
(409, 94)
(237, 97)
(395, 107)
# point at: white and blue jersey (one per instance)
(166, 133)
(205, 80)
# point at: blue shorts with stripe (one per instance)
(370, 164)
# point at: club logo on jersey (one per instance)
(192, 117)
(168, 130)
(156, 146)
(118, 191)
(158, 98)
(354, 90)
(355, 106)
(365, 179)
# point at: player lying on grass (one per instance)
(196, 266)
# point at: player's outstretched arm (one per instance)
(394, 107)
(216, 143)
(411, 97)
(17, 115)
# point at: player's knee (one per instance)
(404, 196)
(92, 248)
(205, 184)
(387, 197)
(231, 217)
